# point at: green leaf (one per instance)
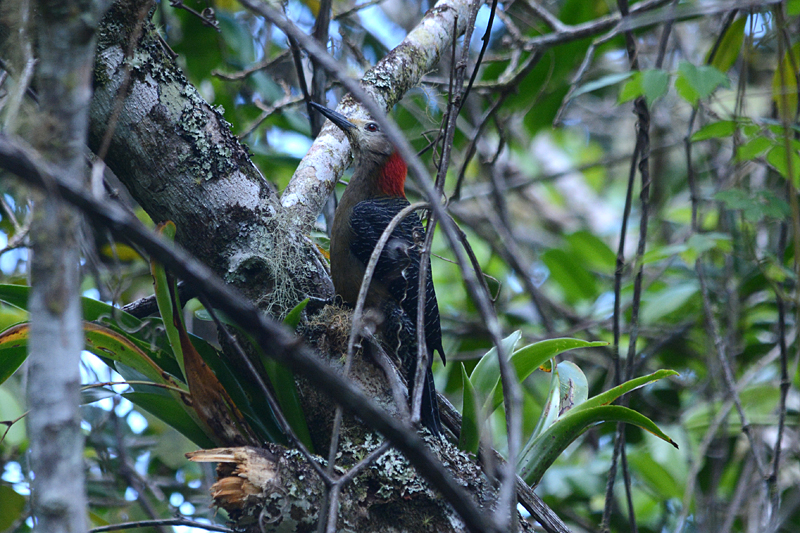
(660, 475)
(93, 310)
(605, 81)
(734, 198)
(700, 243)
(293, 317)
(11, 506)
(243, 391)
(542, 451)
(654, 84)
(469, 439)
(696, 83)
(753, 148)
(624, 388)
(551, 407)
(715, 130)
(486, 373)
(10, 315)
(593, 251)
(750, 204)
(667, 301)
(167, 409)
(99, 340)
(632, 89)
(793, 8)
(574, 387)
(93, 394)
(777, 157)
(109, 344)
(577, 282)
(288, 399)
(784, 85)
(13, 351)
(11, 410)
(729, 46)
(163, 287)
(659, 253)
(527, 359)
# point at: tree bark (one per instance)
(274, 489)
(66, 53)
(190, 168)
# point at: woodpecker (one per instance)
(375, 194)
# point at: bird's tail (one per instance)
(429, 411)
(400, 338)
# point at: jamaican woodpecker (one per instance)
(375, 194)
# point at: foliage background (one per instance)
(543, 205)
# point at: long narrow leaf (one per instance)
(172, 414)
(163, 287)
(531, 357)
(486, 373)
(13, 350)
(243, 392)
(146, 334)
(469, 440)
(540, 453)
(612, 394)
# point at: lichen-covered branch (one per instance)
(274, 489)
(387, 82)
(190, 168)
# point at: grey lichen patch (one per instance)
(211, 157)
(398, 476)
(103, 70)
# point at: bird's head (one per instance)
(374, 154)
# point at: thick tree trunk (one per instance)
(66, 54)
(189, 168)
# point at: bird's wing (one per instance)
(398, 265)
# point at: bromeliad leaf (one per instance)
(541, 452)
(163, 286)
(214, 410)
(629, 386)
(13, 350)
(171, 413)
(470, 436)
(531, 357)
(487, 372)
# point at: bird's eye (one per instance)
(371, 126)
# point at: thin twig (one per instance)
(713, 427)
(207, 16)
(241, 74)
(29, 62)
(356, 8)
(129, 473)
(336, 490)
(267, 110)
(486, 36)
(547, 17)
(785, 383)
(164, 522)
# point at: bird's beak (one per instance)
(337, 118)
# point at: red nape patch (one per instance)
(393, 176)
